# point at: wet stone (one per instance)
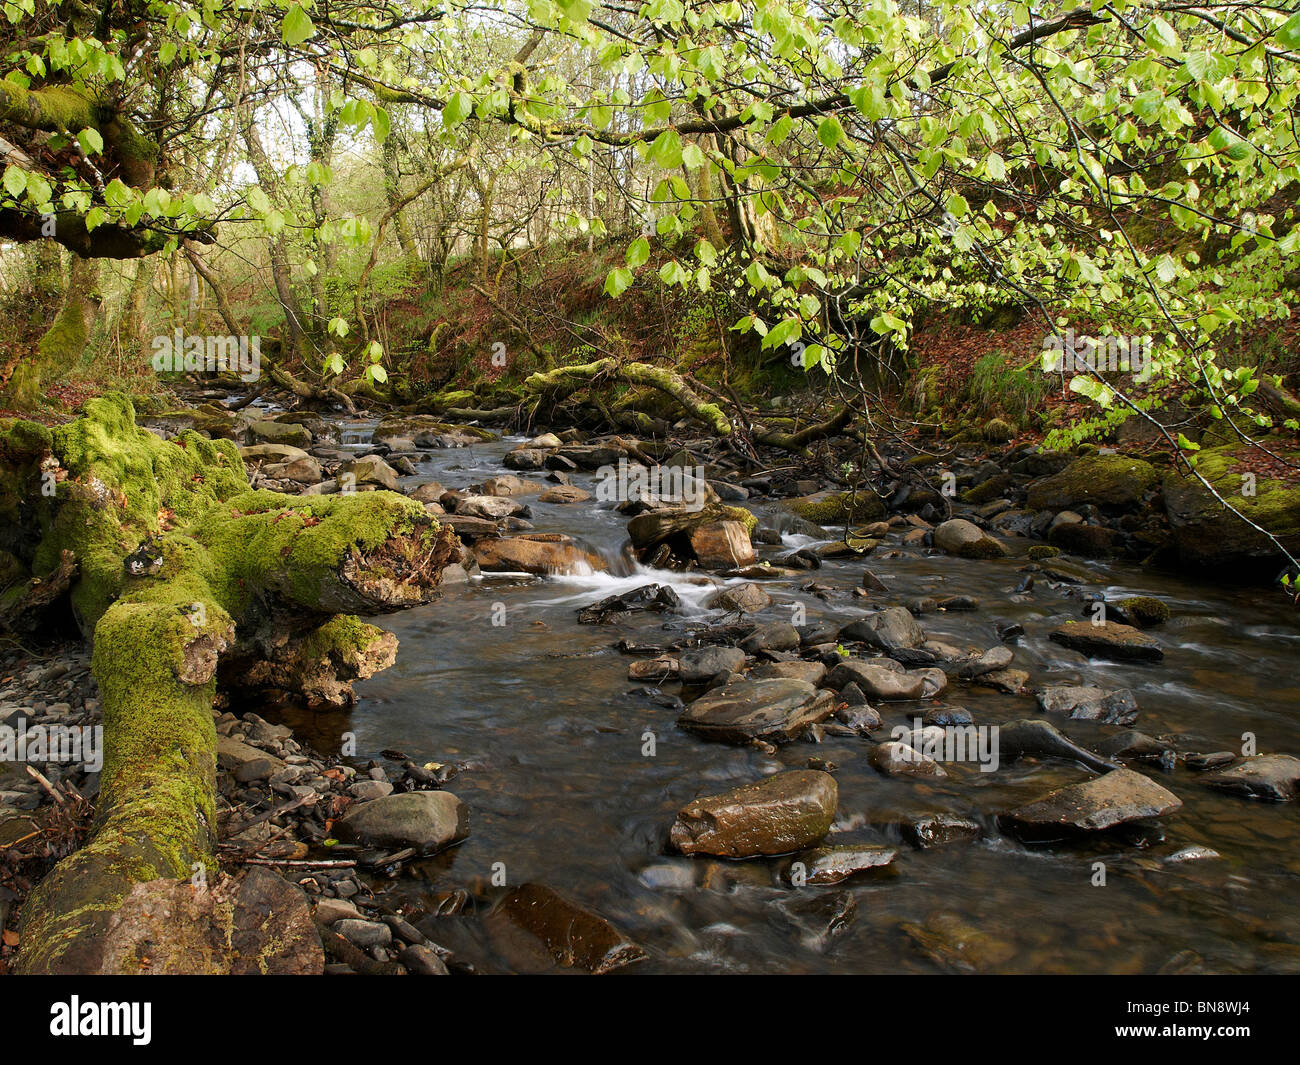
(781, 813)
(1113, 799)
(772, 710)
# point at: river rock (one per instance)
(429, 492)
(1206, 535)
(369, 469)
(1115, 798)
(537, 553)
(1108, 640)
(1103, 480)
(507, 484)
(891, 630)
(722, 545)
(701, 664)
(492, 508)
(272, 453)
(937, 830)
(990, 661)
(525, 458)
(1090, 703)
(305, 470)
(810, 672)
(564, 493)
(835, 864)
(281, 433)
(782, 813)
(572, 936)
(772, 636)
(426, 820)
(1275, 777)
(772, 710)
(897, 759)
(878, 680)
(962, 538)
(746, 598)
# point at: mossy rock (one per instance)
(996, 431)
(1039, 552)
(1205, 534)
(1090, 541)
(1145, 611)
(838, 508)
(1103, 480)
(995, 487)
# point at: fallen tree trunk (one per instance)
(797, 443)
(567, 379)
(180, 564)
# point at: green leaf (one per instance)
(297, 26)
(91, 142)
(457, 109)
(829, 131)
(638, 253)
(15, 180)
(618, 281)
(1288, 34)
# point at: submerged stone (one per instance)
(782, 813)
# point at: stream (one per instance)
(560, 792)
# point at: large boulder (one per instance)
(1205, 534)
(537, 553)
(722, 545)
(772, 710)
(965, 539)
(1120, 796)
(426, 820)
(785, 812)
(1103, 480)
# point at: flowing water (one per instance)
(560, 789)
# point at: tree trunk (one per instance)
(64, 343)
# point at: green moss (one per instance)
(1041, 551)
(997, 431)
(1208, 534)
(993, 488)
(1146, 610)
(1104, 480)
(836, 508)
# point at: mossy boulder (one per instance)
(995, 487)
(838, 508)
(1206, 534)
(1039, 552)
(273, 432)
(1078, 538)
(996, 431)
(1103, 480)
(1144, 611)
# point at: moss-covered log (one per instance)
(567, 379)
(180, 564)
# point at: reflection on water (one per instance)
(562, 793)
